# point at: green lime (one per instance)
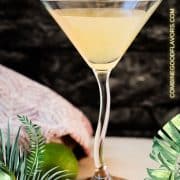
(62, 157)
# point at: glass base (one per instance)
(108, 178)
(103, 174)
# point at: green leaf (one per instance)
(53, 174)
(37, 147)
(168, 140)
(166, 151)
(159, 174)
(14, 151)
(172, 131)
(8, 144)
(3, 167)
(2, 147)
(176, 121)
(5, 174)
(10, 151)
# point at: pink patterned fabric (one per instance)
(56, 116)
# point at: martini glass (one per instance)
(102, 31)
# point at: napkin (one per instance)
(59, 119)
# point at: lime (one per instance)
(62, 157)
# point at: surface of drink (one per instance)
(101, 35)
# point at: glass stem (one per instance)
(103, 83)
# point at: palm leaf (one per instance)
(3, 167)
(52, 174)
(15, 161)
(166, 151)
(37, 146)
(10, 152)
(2, 148)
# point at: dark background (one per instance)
(32, 44)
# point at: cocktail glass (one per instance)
(102, 31)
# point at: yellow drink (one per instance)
(101, 36)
